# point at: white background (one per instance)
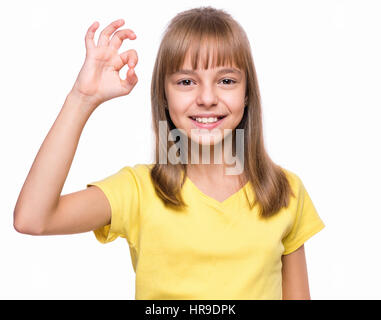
(318, 64)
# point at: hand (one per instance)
(98, 79)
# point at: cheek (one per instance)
(236, 107)
(177, 113)
(178, 106)
(235, 102)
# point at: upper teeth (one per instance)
(207, 120)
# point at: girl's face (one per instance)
(205, 102)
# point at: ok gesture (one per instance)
(98, 79)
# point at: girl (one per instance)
(194, 230)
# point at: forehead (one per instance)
(207, 57)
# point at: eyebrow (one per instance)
(222, 71)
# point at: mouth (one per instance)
(207, 123)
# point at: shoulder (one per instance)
(140, 169)
(293, 179)
(140, 173)
(296, 184)
(302, 200)
(143, 183)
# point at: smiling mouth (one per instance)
(205, 123)
(205, 120)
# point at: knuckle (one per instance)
(120, 34)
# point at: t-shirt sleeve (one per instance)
(306, 221)
(122, 192)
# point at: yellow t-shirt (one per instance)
(211, 250)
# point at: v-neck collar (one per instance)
(214, 202)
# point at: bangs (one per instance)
(205, 44)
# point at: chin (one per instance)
(205, 139)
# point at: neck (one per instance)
(214, 163)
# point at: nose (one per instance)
(207, 96)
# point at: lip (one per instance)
(207, 125)
(208, 115)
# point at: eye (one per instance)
(185, 82)
(231, 81)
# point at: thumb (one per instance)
(130, 81)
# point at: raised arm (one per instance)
(40, 207)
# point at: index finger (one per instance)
(119, 36)
(89, 38)
(104, 37)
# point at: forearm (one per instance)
(43, 186)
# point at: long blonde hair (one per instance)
(212, 28)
